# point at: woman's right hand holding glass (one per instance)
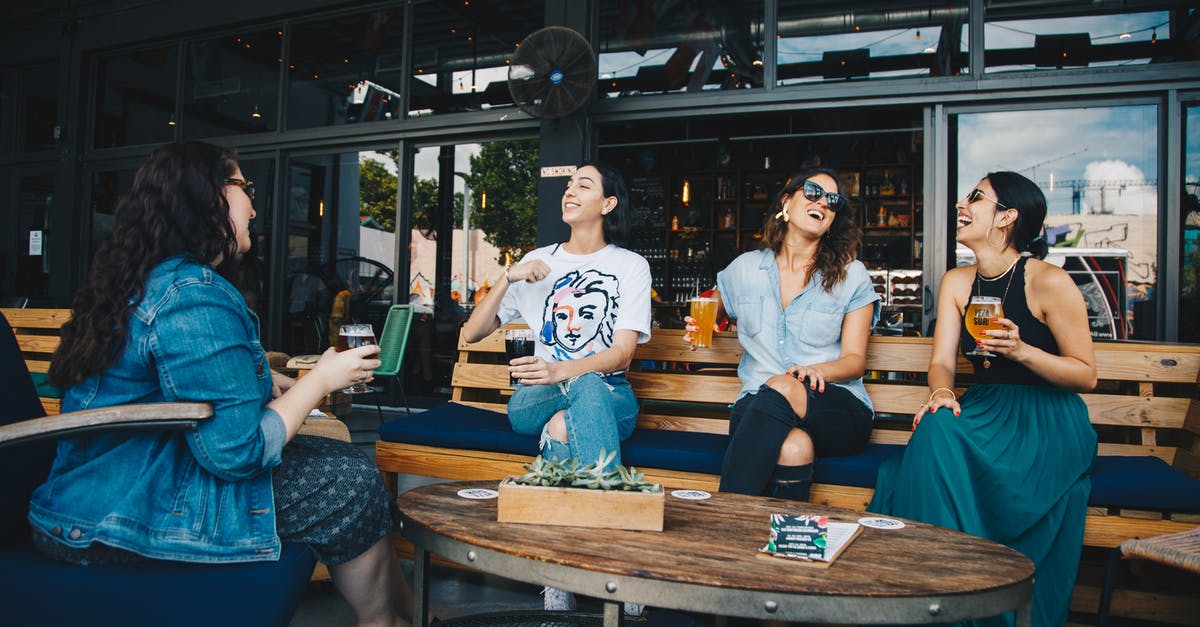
(338, 370)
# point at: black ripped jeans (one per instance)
(836, 421)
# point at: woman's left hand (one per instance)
(816, 380)
(534, 370)
(280, 383)
(1006, 341)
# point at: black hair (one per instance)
(176, 206)
(1014, 191)
(616, 222)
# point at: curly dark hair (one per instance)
(839, 245)
(176, 206)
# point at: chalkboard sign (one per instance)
(647, 204)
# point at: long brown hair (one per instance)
(837, 247)
(176, 206)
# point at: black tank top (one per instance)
(1032, 331)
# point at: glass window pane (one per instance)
(249, 272)
(8, 112)
(37, 116)
(1097, 167)
(461, 52)
(1056, 34)
(346, 69)
(31, 272)
(135, 97)
(336, 242)
(1189, 302)
(868, 40)
(231, 84)
(656, 47)
(107, 188)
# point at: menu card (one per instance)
(808, 537)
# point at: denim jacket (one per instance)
(808, 332)
(200, 495)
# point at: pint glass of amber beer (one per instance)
(704, 312)
(352, 336)
(978, 318)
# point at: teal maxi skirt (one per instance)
(1014, 468)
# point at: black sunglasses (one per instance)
(247, 186)
(814, 192)
(977, 193)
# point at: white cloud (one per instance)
(1113, 187)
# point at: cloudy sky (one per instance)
(1094, 146)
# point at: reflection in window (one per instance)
(1059, 35)
(107, 187)
(346, 69)
(904, 39)
(135, 97)
(656, 46)
(231, 84)
(1097, 167)
(461, 52)
(37, 114)
(1189, 301)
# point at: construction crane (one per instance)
(1079, 186)
(1032, 170)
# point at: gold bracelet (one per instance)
(934, 393)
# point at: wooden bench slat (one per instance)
(37, 343)
(36, 318)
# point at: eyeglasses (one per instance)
(977, 193)
(814, 192)
(247, 186)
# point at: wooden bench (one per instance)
(37, 332)
(1144, 409)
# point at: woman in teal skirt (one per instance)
(1011, 460)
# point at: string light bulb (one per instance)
(686, 195)
(483, 199)
(171, 120)
(256, 114)
(918, 34)
(1154, 36)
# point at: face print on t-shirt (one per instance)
(579, 314)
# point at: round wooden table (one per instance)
(707, 560)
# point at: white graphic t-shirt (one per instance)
(585, 299)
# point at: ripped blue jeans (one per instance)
(601, 411)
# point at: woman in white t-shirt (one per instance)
(588, 302)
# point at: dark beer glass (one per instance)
(517, 343)
(352, 336)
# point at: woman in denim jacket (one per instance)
(156, 323)
(804, 331)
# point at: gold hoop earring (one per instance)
(988, 238)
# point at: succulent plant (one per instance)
(568, 473)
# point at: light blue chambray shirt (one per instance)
(808, 332)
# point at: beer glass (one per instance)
(978, 318)
(352, 336)
(517, 343)
(704, 313)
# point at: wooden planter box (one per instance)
(579, 507)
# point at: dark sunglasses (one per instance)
(977, 193)
(247, 186)
(814, 192)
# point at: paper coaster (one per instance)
(881, 523)
(691, 495)
(478, 493)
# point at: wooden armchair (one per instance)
(37, 591)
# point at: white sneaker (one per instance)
(557, 600)
(634, 609)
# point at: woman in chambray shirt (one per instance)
(155, 322)
(804, 308)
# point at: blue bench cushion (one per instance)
(38, 591)
(452, 425)
(1140, 482)
(1130, 482)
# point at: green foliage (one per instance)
(569, 474)
(507, 172)
(377, 196)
